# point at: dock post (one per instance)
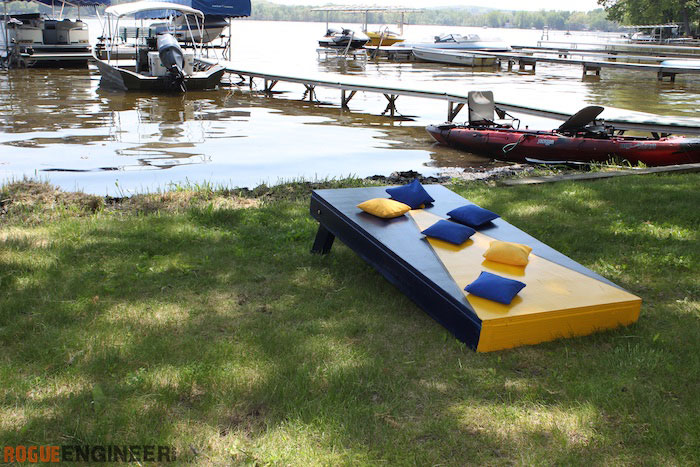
(269, 84)
(671, 76)
(311, 91)
(452, 111)
(391, 106)
(344, 98)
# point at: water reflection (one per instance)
(35, 100)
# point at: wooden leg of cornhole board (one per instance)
(323, 241)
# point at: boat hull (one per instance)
(375, 38)
(550, 146)
(121, 79)
(453, 58)
(342, 43)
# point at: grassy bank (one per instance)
(199, 319)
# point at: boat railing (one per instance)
(347, 47)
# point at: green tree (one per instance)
(684, 12)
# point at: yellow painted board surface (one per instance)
(556, 302)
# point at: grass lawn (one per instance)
(199, 319)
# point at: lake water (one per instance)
(57, 125)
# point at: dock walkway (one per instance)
(620, 118)
(529, 59)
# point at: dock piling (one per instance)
(345, 98)
(453, 110)
(391, 106)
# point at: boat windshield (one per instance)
(457, 38)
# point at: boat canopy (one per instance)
(225, 8)
(134, 8)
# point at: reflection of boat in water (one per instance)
(453, 58)
(36, 40)
(161, 64)
(460, 42)
(343, 39)
(214, 26)
(581, 138)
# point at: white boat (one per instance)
(37, 40)
(160, 63)
(459, 42)
(453, 58)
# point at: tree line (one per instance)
(561, 20)
(684, 12)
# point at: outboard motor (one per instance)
(172, 58)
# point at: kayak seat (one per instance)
(483, 111)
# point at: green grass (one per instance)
(199, 319)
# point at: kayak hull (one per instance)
(519, 146)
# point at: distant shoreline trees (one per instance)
(469, 16)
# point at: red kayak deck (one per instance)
(516, 145)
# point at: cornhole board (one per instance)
(561, 299)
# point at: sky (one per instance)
(533, 5)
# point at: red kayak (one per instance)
(579, 143)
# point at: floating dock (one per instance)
(620, 118)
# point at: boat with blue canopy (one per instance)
(216, 18)
(161, 64)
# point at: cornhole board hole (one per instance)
(561, 299)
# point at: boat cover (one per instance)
(225, 8)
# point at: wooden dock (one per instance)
(525, 57)
(564, 50)
(622, 119)
(528, 59)
(644, 49)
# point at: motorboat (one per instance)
(383, 37)
(160, 64)
(460, 42)
(343, 39)
(37, 40)
(582, 138)
(453, 57)
(214, 26)
(657, 34)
